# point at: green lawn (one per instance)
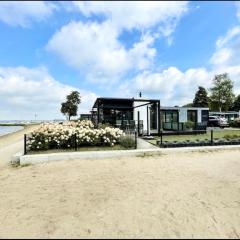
(216, 134)
(80, 149)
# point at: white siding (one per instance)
(183, 112)
(143, 113)
(199, 115)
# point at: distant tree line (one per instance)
(221, 97)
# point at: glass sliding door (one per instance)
(153, 117)
(192, 117)
(169, 119)
(204, 119)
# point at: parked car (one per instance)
(215, 121)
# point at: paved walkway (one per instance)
(143, 144)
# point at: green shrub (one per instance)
(235, 123)
(127, 142)
(104, 125)
(233, 136)
(189, 124)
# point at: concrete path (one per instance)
(143, 144)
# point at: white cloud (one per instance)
(94, 49)
(171, 85)
(26, 91)
(137, 15)
(227, 49)
(22, 13)
(238, 9)
(226, 56)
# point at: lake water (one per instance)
(9, 129)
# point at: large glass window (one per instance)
(205, 116)
(175, 116)
(112, 115)
(192, 115)
(170, 116)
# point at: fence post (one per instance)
(25, 144)
(135, 138)
(75, 141)
(161, 135)
(211, 136)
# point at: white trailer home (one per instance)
(146, 115)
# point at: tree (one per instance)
(70, 107)
(236, 104)
(187, 105)
(222, 96)
(201, 98)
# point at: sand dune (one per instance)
(189, 195)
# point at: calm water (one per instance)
(9, 129)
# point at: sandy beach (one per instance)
(189, 195)
(13, 143)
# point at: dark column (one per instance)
(97, 111)
(159, 118)
(138, 120)
(147, 122)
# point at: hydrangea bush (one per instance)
(54, 135)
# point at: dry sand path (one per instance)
(12, 143)
(188, 195)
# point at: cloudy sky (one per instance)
(112, 49)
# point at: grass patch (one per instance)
(80, 149)
(207, 136)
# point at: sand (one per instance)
(13, 143)
(188, 195)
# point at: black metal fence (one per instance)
(181, 126)
(72, 144)
(190, 141)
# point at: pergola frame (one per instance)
(100, 101)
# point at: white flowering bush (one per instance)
(70, 134)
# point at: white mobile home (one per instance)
(147, 115)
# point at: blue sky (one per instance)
(164, 49)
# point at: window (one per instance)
(204, 116)
(192, 115)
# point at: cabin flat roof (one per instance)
(125, 99)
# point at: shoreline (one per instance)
(16, 130)
(12, 137)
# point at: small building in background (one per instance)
(85, 116)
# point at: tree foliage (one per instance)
(222, 96)
(188, 105)
(236, 104)
(201, 98)
(70, 107)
